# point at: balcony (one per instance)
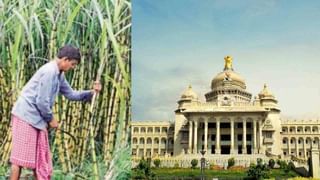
(268, 140)
(184, 141)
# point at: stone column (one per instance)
(232, 151)
(206, 136)
(297, 148)
(260, 138)
(152, 147)
(255, 151)
(145, 148)
(244, 137)
(190, 137)
(315, 169)
(304, 148)
(159, 148)
(195, 145)
(218, 149)
(137, 152)
(167, 145)
(289, 147)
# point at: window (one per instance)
(248, 137)
(249, 125)
(225, 125)
(269, 134)
(185, 135)
(135, 141)
(211, 125)
(201, 125)
(225, 137)
(239, 125)
(164, 130)
(239, 137)
(213, 137)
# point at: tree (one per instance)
(157, 162)
(194, 163)
(143, 170)
(231, 162)
(271, 163)
(258, 171)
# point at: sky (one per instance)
(177, 43)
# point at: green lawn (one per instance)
(222, 174)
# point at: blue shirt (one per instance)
(37, 97)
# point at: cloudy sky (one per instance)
(181, 42)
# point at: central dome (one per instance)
(228, 77)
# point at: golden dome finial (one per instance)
(228, 63)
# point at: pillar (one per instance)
(218, 149)
(244, 137)
(289, 147)
(206, 136)
(260, 138)
(195, 145)
(304, 148)
(232, 151)
(255, 150)
(167, 141)
(315, 167)
(297, 148)
(190, 137)
(145, 148)
(152, 147)
(159, 148)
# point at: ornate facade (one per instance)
(230, 122)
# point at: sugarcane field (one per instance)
(92, 140)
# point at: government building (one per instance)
(231, 122)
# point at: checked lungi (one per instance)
(30, 148)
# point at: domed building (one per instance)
(230, 123)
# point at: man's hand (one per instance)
(96, 87)
(53, 123)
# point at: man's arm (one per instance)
(70, 94)
(44, 94)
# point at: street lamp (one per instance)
(202, 163)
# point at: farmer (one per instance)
(32, 113)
